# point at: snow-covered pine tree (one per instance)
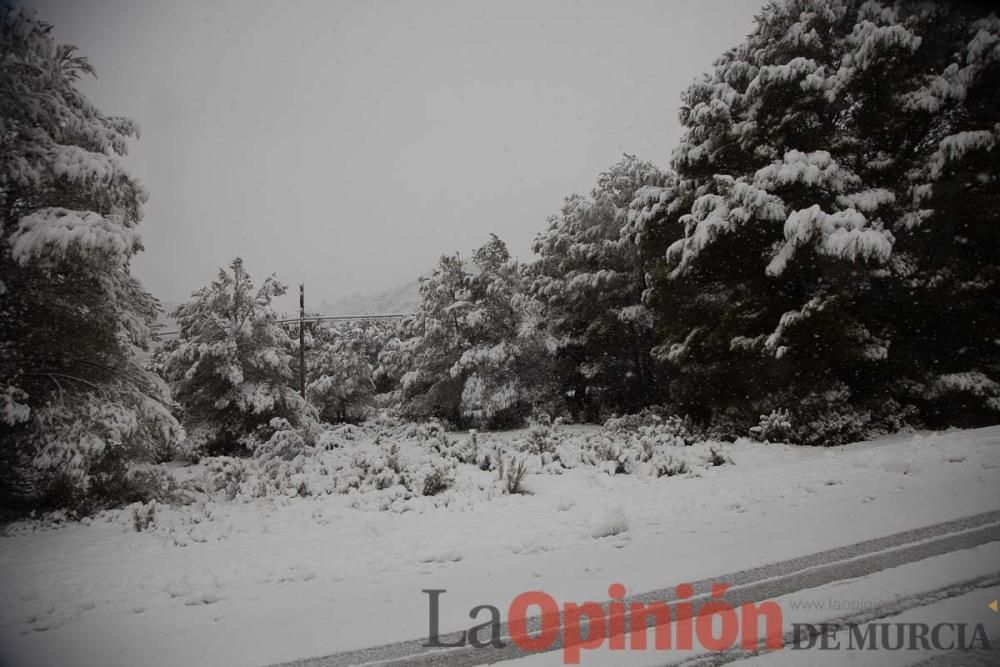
(339, 369)
(590, 279)
(946, 258)
(78, 411)
(805, 254)
(503, 355)
(430, 342)
(467, 353)
(230, 367)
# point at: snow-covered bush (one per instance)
(143, 515)
(614, 456)
(512, 472)
(773, 427)
(632, 421)
(650, 422)
(286, 442)
(836, 425)
(390, 465)
(670, 466)
(400, 466)
(462, 450)
(227, 474)
(830, 417)
(638, 450)
(78, 409)
(543, 437)
(439, 478)
(716, 458)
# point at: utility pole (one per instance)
(302, 339)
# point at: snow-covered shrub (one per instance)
(461, 450)
(569, 453)
(392, 461)
(269, 474)
(637, 451)
(414, 468)
(652, 423)
(716, 458)
(835, 425)
(194, 445)
(286, 442)
(823, 418)
(831, 417)
(226, 474)
(143, 515)
(512, 472)
(489, 457)
(386, 467)
(960, 394)
(405, 466)
(732, 423)
(112, 480)
(670, 466)
(439, 478)
(892, 416)
(773, 427)
(632, 450)
(632, 422)
(614, 456)
(543, 438)
(672, 432)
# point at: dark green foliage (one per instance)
(589, 281)
(834, 227)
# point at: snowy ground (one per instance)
(860, 601)
(278, 578)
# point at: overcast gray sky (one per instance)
(348, 144)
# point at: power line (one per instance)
(323, 318)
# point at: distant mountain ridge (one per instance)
(398, 300)
(163, 318)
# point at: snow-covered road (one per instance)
(280, 579)
(978, 537)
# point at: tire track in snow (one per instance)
(751, 585)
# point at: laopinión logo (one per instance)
(623, 625)
(536, 623)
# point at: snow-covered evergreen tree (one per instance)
(502, 355)
(230, 369)
(816, 239)
(77, 409)
(590, 279)
(339, 369)
(466, 354)
(430, 342)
